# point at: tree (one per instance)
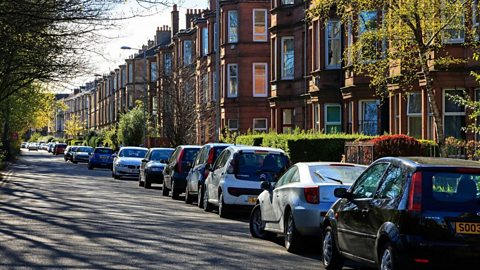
(131, 126)
(73, 126)
(398, 50)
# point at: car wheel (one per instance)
(165, 190)
(223, 210)
(257, 225)
(188, 197)
(90, 166)
(200, 197)
(115, 176)
(146, 183)
(291, 236)
(207, 207)
(174, 191)
(388, 260)
(331, 258)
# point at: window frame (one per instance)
(283, 74)
(232, 36)
(254, 77)
(292, 118)
(187, 56)
(260, 129)
(229, 78)
(205, 45)
(446, 114)
(229, 126)
(339, 123)
(361, 118)
(327, 44)
(264, 36)
(411, 115)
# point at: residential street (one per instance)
(56, 215)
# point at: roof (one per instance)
(258, 148)
(133, 147)
(319, 163)
(190, 146)
(437, 161)
(161, 148)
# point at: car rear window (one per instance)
(85, 149)
(105, 151)
(135, 153)
(252, 164)
(328, 173)
(452, 190)
(158, 155)
(189, 154)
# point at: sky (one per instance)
(133, 33)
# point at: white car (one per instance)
(127, 162)
(82, 154)
(296, 205)
(236, 176)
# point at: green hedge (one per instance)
(304, 146)
(75, 142)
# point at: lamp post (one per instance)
(145, 100)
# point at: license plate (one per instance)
(134, 171)
(252, 199)
(467, 228)
(103, 157)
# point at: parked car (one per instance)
(101, 158)
(59, 148)
(50, 148)
(151, 169)
(295, 205)
(405, 213)
(33, 146)
(67, 155)
(236, 176)
(82, 154)
(176, 171)
(24, 145)
(200, 170)
(127, 162)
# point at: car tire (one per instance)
(257, 226)
(90, 166)
(165, 190)
(200, 197)
(207, 207)
(174, 191)
(146, 182)
(223, 208)
(388, 258)
(331, 258)
(115, 176)
(291, 237)
(188, 197)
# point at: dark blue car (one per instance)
(101, 158)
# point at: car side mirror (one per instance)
(265, 185)
(342, 193)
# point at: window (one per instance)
(368, 117)
(285, 179)
(232, 75)
(130, 73)
(333, 51)
(124, 77)
(368, 22)
(287, 58)
(215, 36)
(333, 118)
(232, 26)
(455, 31)
(153, 71)
(259, 25)
(274, 59)
(366, 185)
(204, 41)
(288, 2)
(187, 52)
(167, 64)
(260, 124)
(316, 117)
(232, 124)
(288, 116)
(454, 115)
(476, 19)
(349, 42)
(391, 188)
(414, 114)
(260, 79)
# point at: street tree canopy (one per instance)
(393, 41)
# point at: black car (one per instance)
(199, 172)
(68, 153)
(176, 171)
(151, 169)
(407, 213)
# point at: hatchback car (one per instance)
(82, 154)
(200, 170)
(405, 213)
(296, 204)
(127, 162)
(59, 148)
(151, 169)
(236, 176)
(176, 171)
(67, 154)
(101, 158)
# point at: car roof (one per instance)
(161, 148)
(326, 163)
(237, 148)
(133, 147)
(435, 162)
(190, 146)
(217, 144)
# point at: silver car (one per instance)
(296, 204)
(82, 154)
(127, 162)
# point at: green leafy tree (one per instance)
(73, 126)
(131, 126)
(396, 39)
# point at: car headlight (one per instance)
(121, 165)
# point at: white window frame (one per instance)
(232, 37)
(230, 77)
(283, 70)
(265, 94)
(445, 113)
(264, 36)
(327, 44)
(316, 116)
(339, 123)
(229, 126)
(260, 129)
(411, 114)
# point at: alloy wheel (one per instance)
(327, 248)
(386, 263)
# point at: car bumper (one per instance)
(81, 159)
(308, 219)
(155, 177)
(101, 164)
(121, 171)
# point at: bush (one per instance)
(75, 142)
(35, 137)
(395, 145)
(429, 148)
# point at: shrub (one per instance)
(35, 137)
(429, 148)
(395, 145)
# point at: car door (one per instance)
(353, 227)
(217, 174)
(281, 195)
(192, 178)
(170, 168)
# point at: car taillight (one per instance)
(312, 195)
(415, 194)
(179, 162)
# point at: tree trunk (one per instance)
(433, 105)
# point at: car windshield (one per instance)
(252, 164)
(158, 155)
(105, 151)
(73, 149)
(133, 153)
(342, 174)
(85, 149)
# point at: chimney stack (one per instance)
(163, 35)
(175, 19)
(191, 15)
